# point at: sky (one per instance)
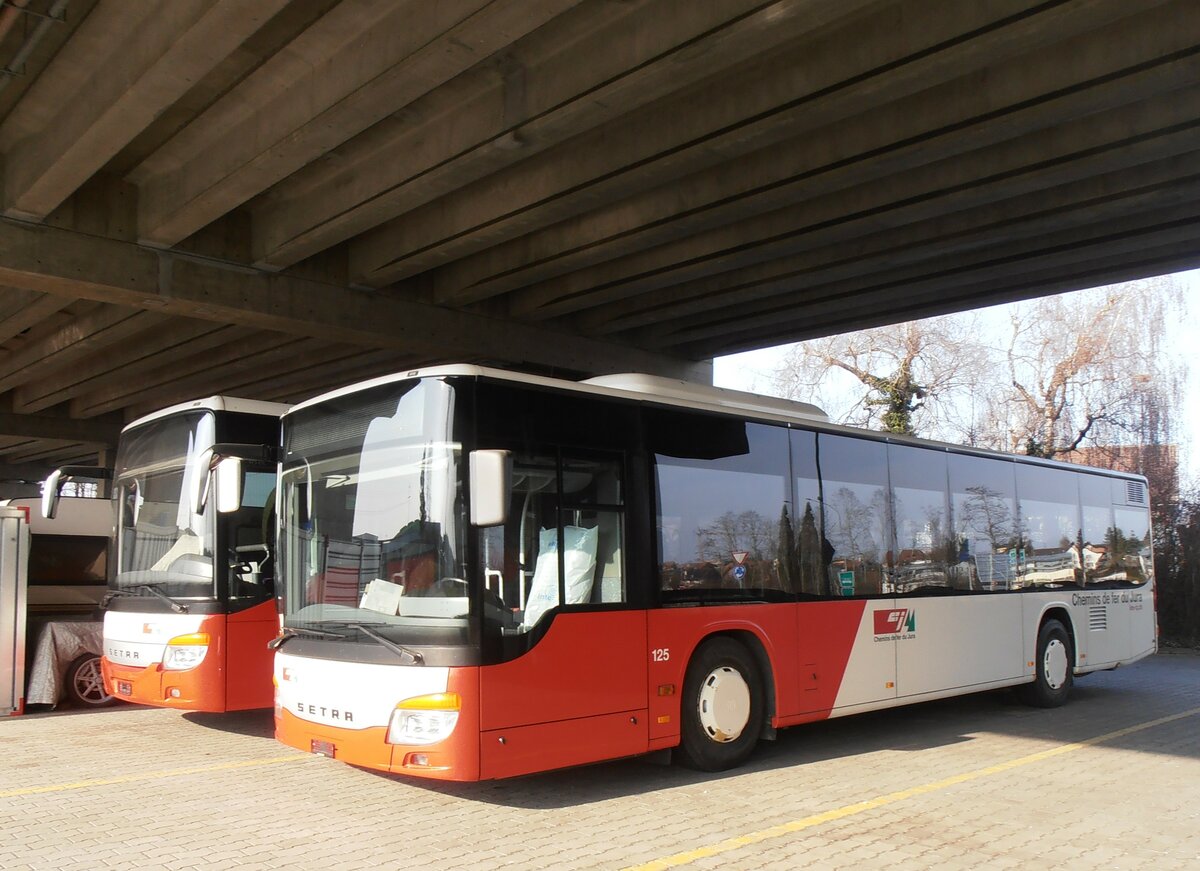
(753, 370)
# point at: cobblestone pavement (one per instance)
(1111, 780)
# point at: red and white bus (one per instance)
(487, 574)
(191, 600)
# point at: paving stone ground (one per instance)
(972, 782)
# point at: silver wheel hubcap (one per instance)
(1054, 664)
(724, 704)
(89, 683)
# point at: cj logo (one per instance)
(893, 621)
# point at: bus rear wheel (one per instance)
(722, 706)
(1053, 668)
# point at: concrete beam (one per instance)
(74, 341)
(188, 364)
(1032, 92)
(1126, 195)
(138, 62)
(358, 64)
(276, 354)
(899, 50)
(127, 363)
(33, 473)
(1155, 251)
(1090, 146)
(536, 94)
(100, 431)
(22, 309)
(58, 261)
(331, 373)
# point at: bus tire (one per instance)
(85, 684)
(722, 706)
(1053, 668)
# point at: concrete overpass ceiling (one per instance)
(275, 198)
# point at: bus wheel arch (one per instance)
(1054, 662)
(724, 706)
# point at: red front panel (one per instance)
(526, 749)
(586, 665)
(196, 689)
(248, 660)
(578, 696)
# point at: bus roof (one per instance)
(215, 403)
(670, 391)
(630, 385)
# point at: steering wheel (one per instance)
(448, 587)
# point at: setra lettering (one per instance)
(325, 713)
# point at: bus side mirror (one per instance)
(50, 491)
(491, 481)
(220, 467)
(52, 486)
(228, 478)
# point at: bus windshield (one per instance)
(161, 544)
(371, 517)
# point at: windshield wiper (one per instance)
(287, 633)
(403, 652)
(177, 607)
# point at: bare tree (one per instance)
(905, 369)
(1081, 368)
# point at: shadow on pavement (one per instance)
(253, 724)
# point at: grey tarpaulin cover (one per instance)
(60, 643)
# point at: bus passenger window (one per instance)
(983, 511)
(1049, 503)
(854, 484)
(1096, 509)
(720, 517)
(1129, 543)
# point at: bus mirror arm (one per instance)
(52, 487)
(225, 460)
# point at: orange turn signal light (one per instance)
(194, 639)
(433, 702)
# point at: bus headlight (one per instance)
(185, 651)
(424, 719)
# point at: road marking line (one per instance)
(794, 826)
(149, 775)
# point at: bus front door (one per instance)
(578, 696)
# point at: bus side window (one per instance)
(1095, 546)
(563, 542)
(984, 519)
(924, 546)
(723, 493)
(1048, 500)
(854, 481)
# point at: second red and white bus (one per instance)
(191, 598)
(487, 574)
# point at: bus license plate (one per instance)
(124, 688)
(324, 748)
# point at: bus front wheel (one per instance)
(1053, 668)
(722, 706)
